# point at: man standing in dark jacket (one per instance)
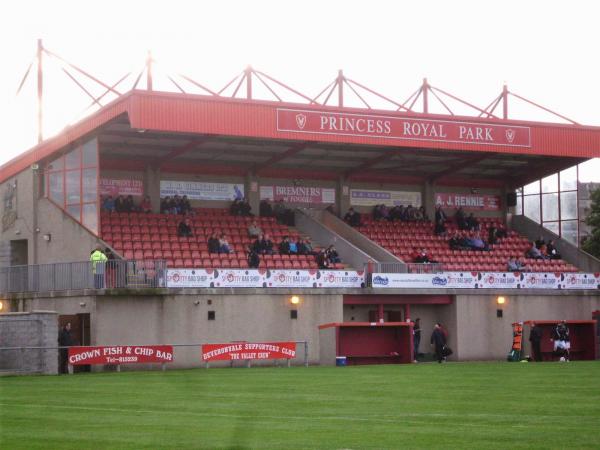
(535, 337)
(64, 340)
(438, 341)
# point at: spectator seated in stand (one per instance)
(253, 258)
(120, 204)
(539, 242)
(322, 260)
(302, 249)
(396, 213)
(245, 208)
(186, 206)
(473, 223)
(501, 231)
(254, 230)
(309, 247)
(457, 242)
(332, 255)
(422, 257)
(476, 243)
(461, 219)
(411, 213)
(224, 245)
(128, 204)
(284, 246)
(551, 251)
(108, 204)
(184, 229)
(423, 214)
(352, 218)
(283, 215)
(164, 205)
(492, 235)
(440, 221)
(235, 207)
(213, 243)
(534, 252)
(265, 209)
(293, 247)
(514, 265)
(146, 205)
(263, 245)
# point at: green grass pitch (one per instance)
(430, 406)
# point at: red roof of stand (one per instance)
(215, 115)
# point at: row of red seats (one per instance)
(243, 264)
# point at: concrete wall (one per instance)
(31, 329)
(482, 335)
(183, 318)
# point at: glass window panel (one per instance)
(531, 204)
(552, 226)
(73, 159)
(73, 187)
(519, 207)
(56, 194)
(74, 211)
(90, 185)
(533, 188)
(550, 207)
(89, 153)
(90, 216)
(57, 164)
(569, 231)
(568, 205)
(550, 184)
(568, 179)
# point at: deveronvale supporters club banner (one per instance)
(120, 354)
(248, 350)
(487, 280)
(198, 278)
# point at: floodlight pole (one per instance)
(505, 101)
(249, 82)
(149, 71)
(425, 90)
(340, 83)
(40, 83)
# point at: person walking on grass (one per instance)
(416, 338)
(535, 337)
(438, 342)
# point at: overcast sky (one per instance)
(546, 51)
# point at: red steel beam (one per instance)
(181, 150)
(293, 150)
(462, 164)
(371, 162)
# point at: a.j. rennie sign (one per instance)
(379, 126)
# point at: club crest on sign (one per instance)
(510, 135)
(300, 120)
